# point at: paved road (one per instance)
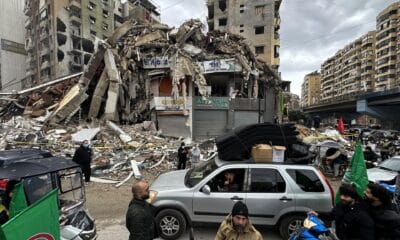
(200, 233)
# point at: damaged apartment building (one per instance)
(258, 21)
(189, 83)
(61, 34)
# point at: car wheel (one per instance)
(170, 223)
(291, 224)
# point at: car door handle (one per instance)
(236, 198)
(285, 199)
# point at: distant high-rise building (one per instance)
(61, 34)
(257, 21)
(311, 89)
(387, 51)
(12, 49)
(350, 71)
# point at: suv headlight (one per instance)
(152, 197)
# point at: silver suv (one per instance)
(275, 194)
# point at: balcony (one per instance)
(75, 20)
(28, 23)
(44, 51)
(27, 10)
(75, 5)
(44, 35)
(45, 64)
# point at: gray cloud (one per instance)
(311, 30)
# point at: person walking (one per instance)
(237, 225)
(195, 155)
(351, 217)
(387, 220)
(140, 215)
(182, 156)
(83, 157)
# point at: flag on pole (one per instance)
(38, 221)
(341, 126)
(356, 173)
(18, 200)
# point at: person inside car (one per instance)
(230, 184)
(6, 200)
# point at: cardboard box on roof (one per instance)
(262, 153)
(278, 153)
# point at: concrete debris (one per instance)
(84, 134)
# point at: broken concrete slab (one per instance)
(85, 134)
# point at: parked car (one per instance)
(40, 173)
(386, 171)
(276, 194)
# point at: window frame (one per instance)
(277, 174)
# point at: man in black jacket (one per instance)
(182, 156)
(83, 157)
(387, 221)
(140, 215)
(351, 217)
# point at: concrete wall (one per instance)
(12, 65)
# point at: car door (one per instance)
(217, 204)
(268, 195)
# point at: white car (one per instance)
(385, 171)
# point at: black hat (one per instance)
(240, 209)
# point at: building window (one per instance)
(223, 22)
(222, 5)
(92, 20)
(241, 25)
(105, 26)
(259, 30)
(241, 30)
(276, 51)
(93, 33)
(241, 9)
(259, 49)
(91, 5)
(105, 13)
(259, 10)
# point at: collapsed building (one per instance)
(189, 83)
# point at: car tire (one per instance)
(291, 224)
(171, 224)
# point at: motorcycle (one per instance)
(395, 193)
(313, 228)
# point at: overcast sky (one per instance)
(311, 30)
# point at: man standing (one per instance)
(182, 156)
(237, 225)
(351, 217)
(140, 215)
(83, 157)
(387, 221)
(195, 155)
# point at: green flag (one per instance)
(38, 221)
(356, 173)
(18, 200)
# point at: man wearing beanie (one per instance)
(237, 225)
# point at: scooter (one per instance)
(313, 228)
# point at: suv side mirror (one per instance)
(206, 189)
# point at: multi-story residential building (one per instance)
(350, 71)
(387, 52)
(258, 21)
(12, 50)
(145, 11)
(311, 89)
(61, 34)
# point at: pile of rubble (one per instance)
(114, 146)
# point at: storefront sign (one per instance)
(220, 65)
(212, 102)
(171, 104)
(156, 62)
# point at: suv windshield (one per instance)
(198, 173)
(391, 164)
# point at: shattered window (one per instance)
(259, 30)
(259, 49)
(222, 5)
(223, 21)
(92, 19)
